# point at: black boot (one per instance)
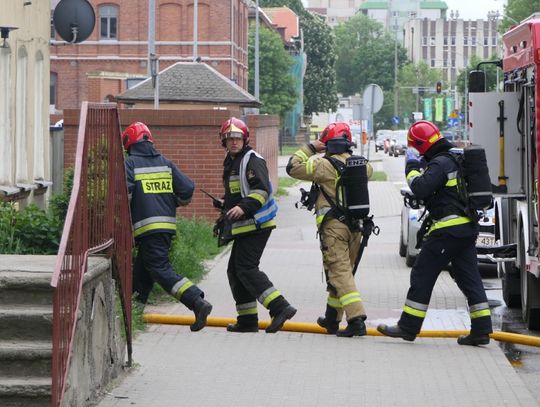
(242, 328)
(355, 327)
(277, 322)
(473, 340)
(329, 321)
(201, 309)
(395, 332)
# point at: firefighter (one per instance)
(156, 188)
(250, 211)
(340, 243)
(450, 236)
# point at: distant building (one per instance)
(115, 56)
(24, 98)
(449, 44)
(393, 14)
(335, 11)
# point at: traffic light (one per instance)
(439, 87)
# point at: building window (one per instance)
(453, 63)
(424, 41)
(445, 40)
(52, 88)
(494, 40)
(432, 41)
(108, 18)
(486, 41)
(433, 63)
(452, 40)
(473, 41)
(465, 40)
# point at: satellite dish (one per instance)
(74, 20)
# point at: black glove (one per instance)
(216, 203)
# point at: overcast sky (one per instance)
(473, 9)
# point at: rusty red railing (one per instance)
(98, 220)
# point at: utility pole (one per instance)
(151, 33)
(396, 88)
(195, 29)
(257, 50)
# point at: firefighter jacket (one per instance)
(156, 188)
(437, 185)
(303, 165)
(247, 185)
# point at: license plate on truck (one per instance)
(485, 240)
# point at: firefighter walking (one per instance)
(156, 188)
(339, 240)
(249, 210)
(450, 237)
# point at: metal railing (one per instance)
(98, 220)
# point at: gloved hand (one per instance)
(413, 160)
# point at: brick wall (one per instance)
(128, 53)
(190, 140)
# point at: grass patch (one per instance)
(379, 176)
(285, 182)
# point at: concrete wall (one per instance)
(190, 139)
(99, 350)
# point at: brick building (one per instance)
(117, 50)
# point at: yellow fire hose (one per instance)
(307, 327)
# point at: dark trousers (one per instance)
(152, 265)
(437, 251)
(247, 282)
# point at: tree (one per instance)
(320, 93)
(365, 54)
(517, 10)
(489, 69)
(276, 84)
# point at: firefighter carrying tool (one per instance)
(250, 208)
(340, 208)
(450, 237)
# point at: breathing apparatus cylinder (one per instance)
(354, 180)
(476, 174)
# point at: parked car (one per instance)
(380, 137)
(398, 143)
(410, 224)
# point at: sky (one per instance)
(473, 9)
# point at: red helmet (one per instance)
(422, 135)
(232, 127)
(336, 130)
(135, 133)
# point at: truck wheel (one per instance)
(530, 292)
(511, 289)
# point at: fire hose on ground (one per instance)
(306, 327)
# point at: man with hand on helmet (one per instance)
(339, 243)
(250, 208)
(450, 237)
(156, 188)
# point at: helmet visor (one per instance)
(233, 134)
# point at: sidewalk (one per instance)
(216, 368)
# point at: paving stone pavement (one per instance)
(216, 368)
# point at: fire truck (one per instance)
(506, 123)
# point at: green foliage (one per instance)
(28, 231)
(320, 89)
(489, 69)
(283, 183)
(365, 54)
(379, 176)
(517, 10)
(194, 243)
(276, 82)
(320, 93)
(58, 204)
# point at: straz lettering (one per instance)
(356, 162)
(157, 186)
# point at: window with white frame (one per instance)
(452, 40)
(465, 40)
(108, 20)
(5, 122)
